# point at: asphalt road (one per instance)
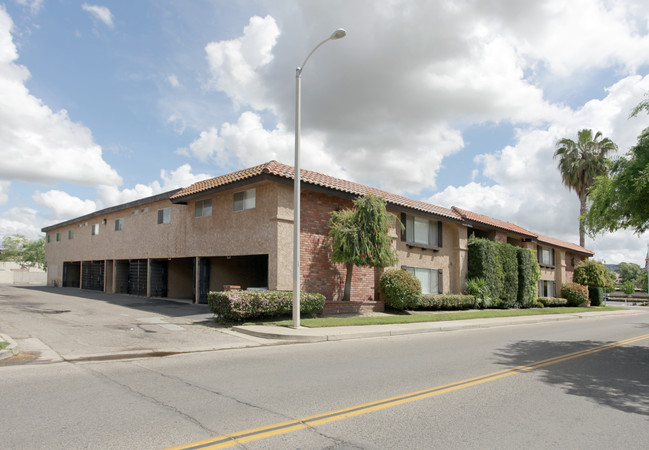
(579, 384)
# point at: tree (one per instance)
(359, 237)
(580, 163)
(592, 273)
(620, 201)
(23, 251)
(633, 273)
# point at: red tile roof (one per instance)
(490, 221)
(316, 179)
(277, 169)
(563, 244)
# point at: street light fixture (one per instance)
(339, 33)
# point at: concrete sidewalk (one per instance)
(304, 334)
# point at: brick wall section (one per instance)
(318, 274)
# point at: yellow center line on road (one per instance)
(240, 437)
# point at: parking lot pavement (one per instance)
(67, 324)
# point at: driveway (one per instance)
(54, 324)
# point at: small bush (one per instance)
(539, 305)
(552, 301)
(575, 293)
(400, 289)
(447, 302)
(596, 295)
(236, 306)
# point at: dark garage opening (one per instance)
(71, 274)
(245, 271)
(92, 275)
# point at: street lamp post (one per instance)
(339, 33)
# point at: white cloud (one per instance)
(22, 221)
(38, 144)
(33, 5)
(235, 64)
(173, 179)
(62, 205)
(4, 192)
(173, 81)
(100, 13)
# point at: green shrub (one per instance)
(239, 305)
(447, 302)
(539, 305)
(575, 293)
(628, 287)
(591, 273)
(484, 262)
(551, 302)
(509, 267)
(528, 277)
(400, 289)
(596, 295)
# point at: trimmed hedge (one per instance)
(511, 273)
(575, 293)
(447, 302)
(400, 289)
(528, 277)
(552, 301)
(239, 305)
(596, 295)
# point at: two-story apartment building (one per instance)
(237, 230)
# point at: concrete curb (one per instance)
(10, 350)
(308, 335)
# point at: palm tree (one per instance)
(580, 163)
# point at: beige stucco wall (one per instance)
(224, 233)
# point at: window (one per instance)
(546, 256)
(546, 288)
(164, 215)
(430, 279)
(421, 232)
(49, 238)
(244, 200)
(135, 212)
(94, 230)
(58, 236)
(70, 235)
(203, 208)
(119, 224)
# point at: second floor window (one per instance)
(546, 256)
(421, 231)
(119, 224)
(244, 200)
(164, 215)
(94, 230)
(203, 208)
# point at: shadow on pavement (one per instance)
(617, 377)
(168, 307)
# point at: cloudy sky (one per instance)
(456, 102)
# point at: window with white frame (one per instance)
(547, 288)
(94, 230)
(164, 215)
(244, 200)
(545, 256)
(203, 208)
(421, 231)
(119, 224)
(430, 279)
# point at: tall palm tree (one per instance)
(581, 162)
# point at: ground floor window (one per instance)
(546, 288)
(430, 279)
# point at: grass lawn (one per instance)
(429, 317)
(3, 344)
